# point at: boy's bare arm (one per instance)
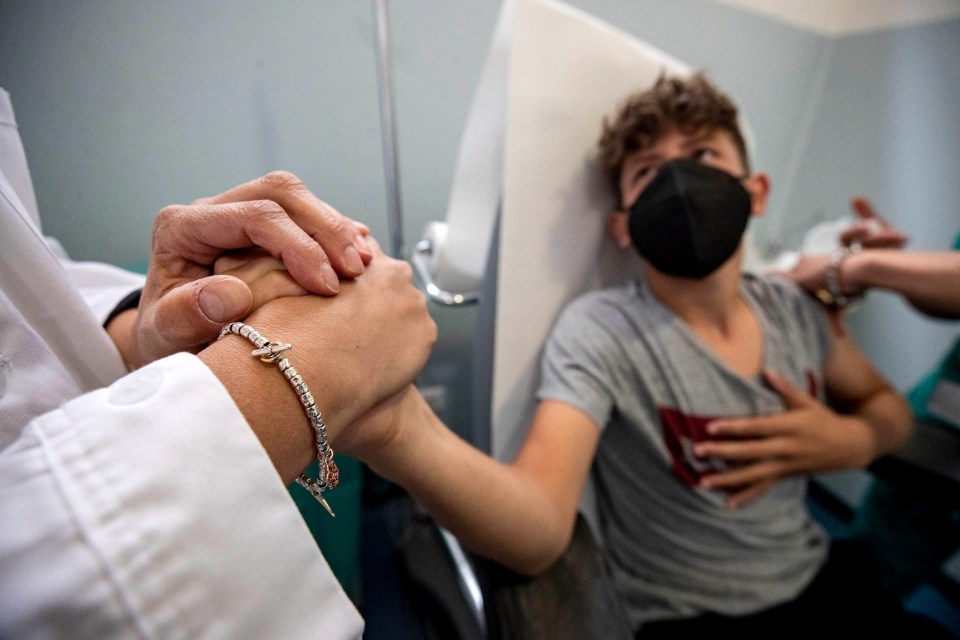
(519, 514)
(856, 388)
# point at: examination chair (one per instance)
(524, 235)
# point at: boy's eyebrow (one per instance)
(699, 137)
(645, 156)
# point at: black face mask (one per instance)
(689, 219)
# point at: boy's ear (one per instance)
(618, 225)
(758, 186)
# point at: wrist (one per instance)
(121, 326)
(851, 271)
(837, 292)
(266, 401)
(274, 353)
(122, 331)
(413, 427)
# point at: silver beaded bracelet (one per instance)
(832, 296)
(270, 352)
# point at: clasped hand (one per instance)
(377, 331)
(184, 304)
(807, 437)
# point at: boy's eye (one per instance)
(643, 176)
(643, 172)
(704, 153)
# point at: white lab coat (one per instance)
(137, 505)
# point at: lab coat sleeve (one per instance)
(149, 509)
(102, 285)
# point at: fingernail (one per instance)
(353, 262)
(362, 244)
(330, 277)
(223, 300)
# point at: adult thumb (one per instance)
(223, 299)
(189, 316)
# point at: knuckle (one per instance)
(334, 223)
(227, 262)
(168, 216)
(281, 180)
(169, 211)
(166, 220)
(266, 210)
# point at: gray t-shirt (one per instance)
(651, 385)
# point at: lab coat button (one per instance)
(136, 386)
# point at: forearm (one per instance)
(930, 281)
(497, 510)
(266, 400)
(886, 422)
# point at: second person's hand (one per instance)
(184, 305)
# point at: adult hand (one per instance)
(871, 231)
(268, 280)
(810, 272)
(354, 351)
(184, 305)
(807, 437)
(367, 343)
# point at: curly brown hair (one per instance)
(691, 104)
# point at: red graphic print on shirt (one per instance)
(681, 432)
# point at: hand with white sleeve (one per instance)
(184, 305)
(353, 351)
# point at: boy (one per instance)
(695, 395)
